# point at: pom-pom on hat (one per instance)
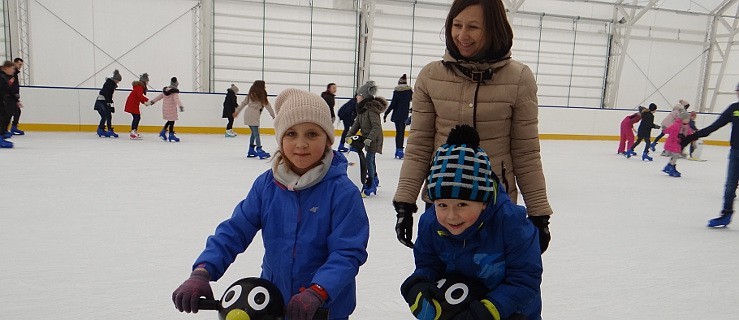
(403, 79)
(173, 82)
(294, 106)
(367, 90)
(144, 77)
(461, 169)
(117, 75)
(684, 103)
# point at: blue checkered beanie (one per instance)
(461, 169)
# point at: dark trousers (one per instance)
(659, 136)
(105, 116)
(347, 125)
(230, 124)
(639, 139)
(135, 121)
(399, 134)
(16, 115)
(5, 114)
(732, 179)
(170, 125)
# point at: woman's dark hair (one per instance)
(498, 32)
(258, 92)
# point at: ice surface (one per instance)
(95, 228)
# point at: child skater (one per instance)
(347, 113)
(6, 103)
(255, 102)
(644, 132)
(696, 147)
(676, 132)
(104, 104)
(135, 98)
(229, 107)
(473, 229)
(627, 131)
(399, 106)
(369, 109)
(312, 220)
(171, 96)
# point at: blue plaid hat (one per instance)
(461, 169)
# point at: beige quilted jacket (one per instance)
(507, 121)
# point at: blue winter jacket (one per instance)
(316, 235)
(501, 250)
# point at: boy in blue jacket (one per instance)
(313, 221)
(473, 229)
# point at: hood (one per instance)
(482, 65)
(403, 87)
(377, 104)
(170, 90)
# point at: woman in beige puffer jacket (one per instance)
(488, 90)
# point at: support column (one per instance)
(723, 31)
(366, 27)
(624, 19)
(204, 46)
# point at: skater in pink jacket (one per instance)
(676, 131)
(627, 131)
(171, 97)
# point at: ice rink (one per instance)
(95, 228)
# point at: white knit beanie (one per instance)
(294, 106)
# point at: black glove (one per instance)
(416, 291)
(111, 108)
(542, 223)
(680, 136)
(684, 142)
(657, 127)
(404, 225)
(478, 311)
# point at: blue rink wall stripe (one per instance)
(220, 130)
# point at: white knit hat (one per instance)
(294, 106)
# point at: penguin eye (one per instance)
(456, 293)
(231, 296)
(258, 298)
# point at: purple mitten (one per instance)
(303, 306)
(186, 296)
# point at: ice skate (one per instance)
(134, 135)
(230, 133)
(251, 153)
(102, 133)
(399, 154)
(262, 154)
(15, 131)
(5, 144)
(112, 133)
(162, 134)
(652, 146)
(645, 157)
(172, 137)
(721, 221)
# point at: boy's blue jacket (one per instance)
(316, 235)
(501, 250)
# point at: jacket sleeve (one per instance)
(177, 100)
(376, 133)
(269, 109)
(347, 243)
(140, 97)
(722, 120)
(428, 264)
(393, 104)
(525, 148)
(234, 235)
(157, 98)
(522, 282)
(242, 105)
(420, 146)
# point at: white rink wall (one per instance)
(71, 109)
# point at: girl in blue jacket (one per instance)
(313, 221)
(474, 230)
